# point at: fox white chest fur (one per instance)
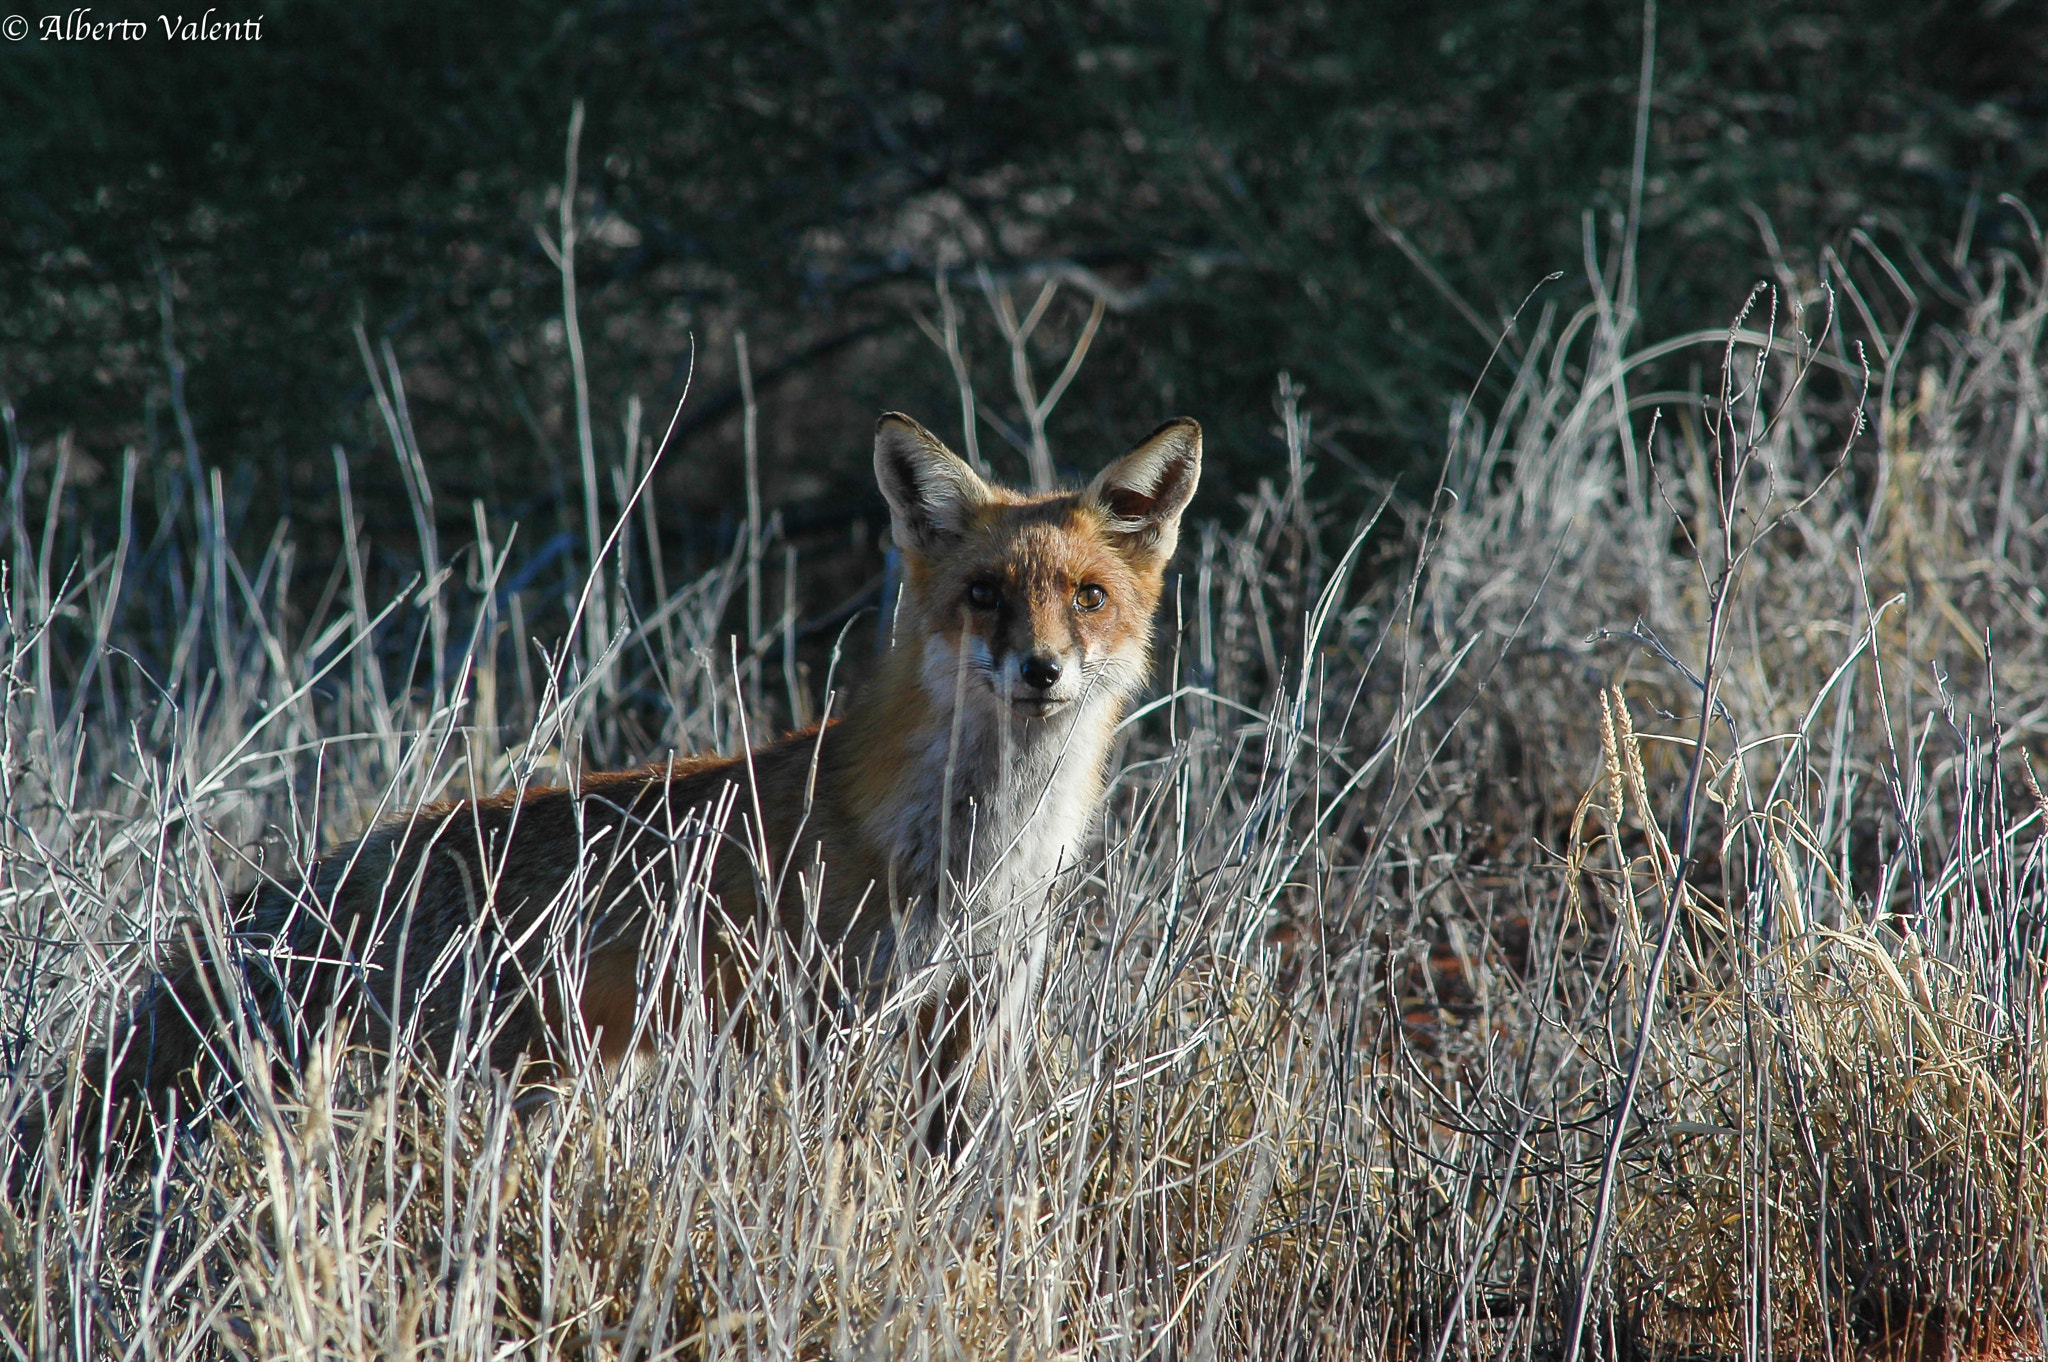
(1015, 795)
(994, 807)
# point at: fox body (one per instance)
(918, 838)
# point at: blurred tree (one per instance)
(1358, 193)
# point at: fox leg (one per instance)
(942, 1044)
(612, 995)
(609, 1002)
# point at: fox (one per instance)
(918, 839)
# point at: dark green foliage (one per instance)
(801, 168)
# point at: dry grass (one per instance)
(1333, 1053)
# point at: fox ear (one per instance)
(932, 493)
(1145, 491)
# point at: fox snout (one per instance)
(1039, 681)
(1041, 671)
(1032, 677)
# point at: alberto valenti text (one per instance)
(78, 26)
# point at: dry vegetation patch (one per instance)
(1420, 851)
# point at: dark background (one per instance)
(1232, 176)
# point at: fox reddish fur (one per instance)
(920, 837)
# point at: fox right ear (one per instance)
(1144, 492)
(932, 493)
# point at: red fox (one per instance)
(919, 837)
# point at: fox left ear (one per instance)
(932, 493)
(1145, 491)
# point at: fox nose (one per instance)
(1041, 670)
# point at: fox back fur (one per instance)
(919, 838)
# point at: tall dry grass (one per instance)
(1433, 938)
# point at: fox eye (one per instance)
(983, 595)
(1090, 597)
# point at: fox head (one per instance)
(1028, 604)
